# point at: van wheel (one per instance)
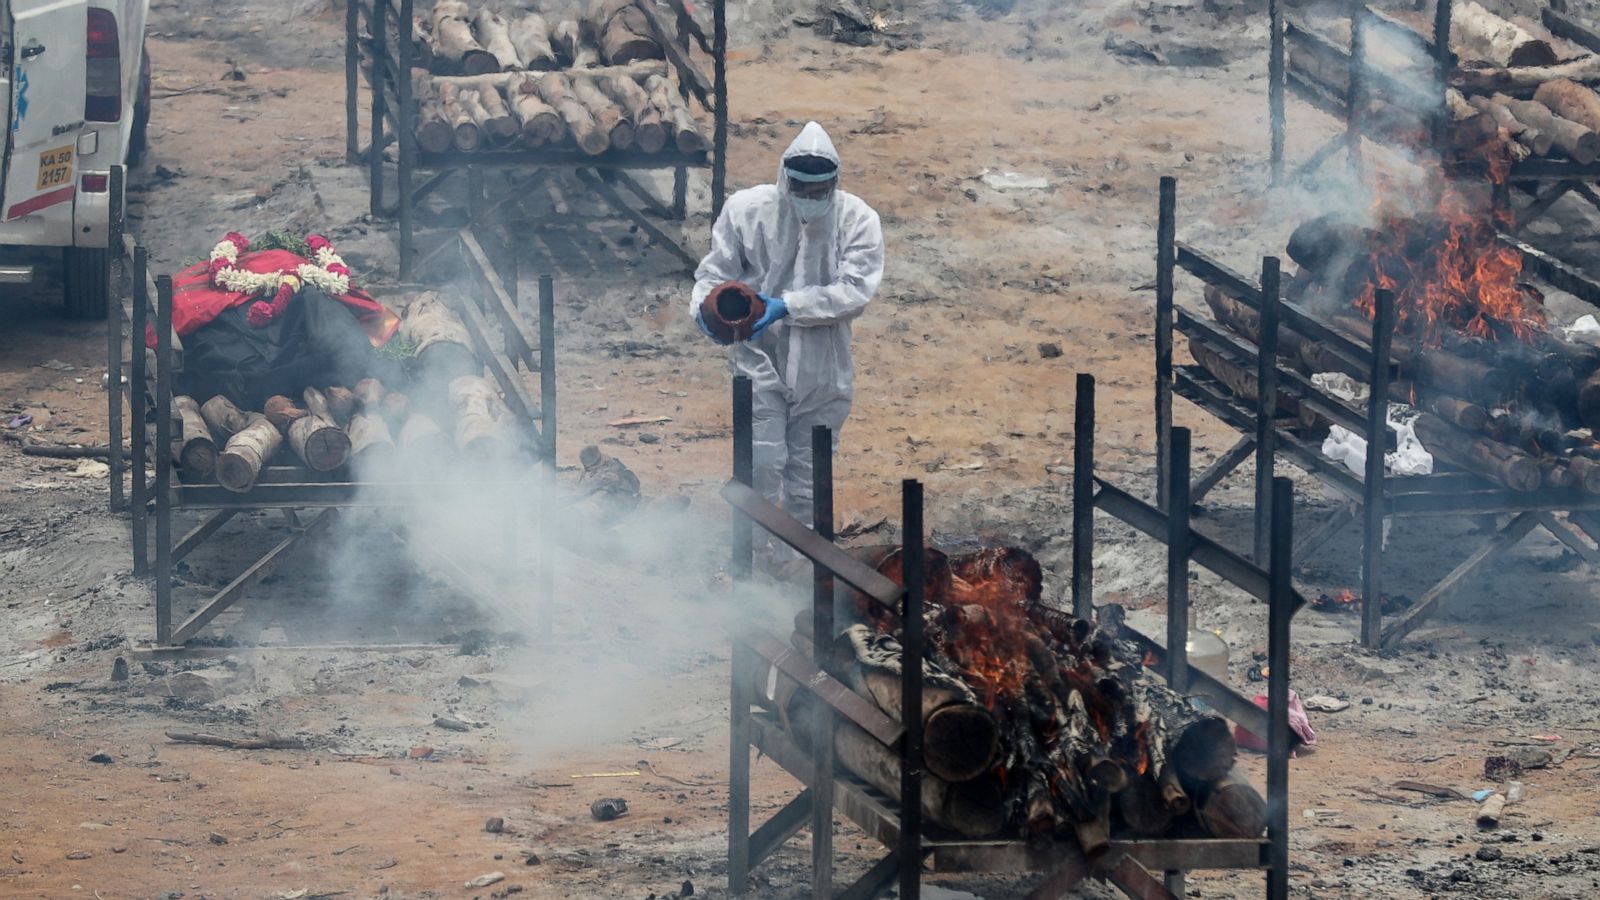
(88, 276)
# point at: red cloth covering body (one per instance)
(196, 301)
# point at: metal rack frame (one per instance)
(1370, 497)
(1545, 180)
(395, 123)
(291, 488)
(915, 848)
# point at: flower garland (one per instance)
(328, 272)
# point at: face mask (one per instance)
(811, 210)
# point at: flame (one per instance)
(1464, 283)
(1141, 736)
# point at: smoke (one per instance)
(639, 598)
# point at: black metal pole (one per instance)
(1166, 262)
(1280, 611)
(1374, 500)
(377, 37)
(1443, 62)
(1083, 500)
(911, 635)
(1266, 405)
(163, 459)
(719, 70)
(547, 367)
(739, 769)
(822, 639)
(1356, 90)
(1178, 549)
(1275, 86)
(406, 116)
(114, 341)
(139, 414)
(352, 66)
(743, 472)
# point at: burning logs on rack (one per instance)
(1035, 723)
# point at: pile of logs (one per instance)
(490, 81)
(632, 107)
(1519, 410)
(1035, 724)
(367, 428)
(1517, 92)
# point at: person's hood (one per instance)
(812, 141)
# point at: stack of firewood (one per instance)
(364, 428)
(1035, 724)
(489, 81)
(1517, 89)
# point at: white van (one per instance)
(76, 82)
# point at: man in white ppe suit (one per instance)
(815, 254)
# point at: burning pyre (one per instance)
(1065, 732)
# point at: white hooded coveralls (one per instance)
(826, 271)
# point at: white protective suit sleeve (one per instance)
(855, 281)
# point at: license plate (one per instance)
(55, 168)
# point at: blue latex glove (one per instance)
(701, 322)
(776, 309)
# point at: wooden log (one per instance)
(1493, 460)
(1468, 122)
(246, 452)
(638, 71)
(195, 451)
(1589, 401)
(1434, 368)
(453, 40)
(483, 424)
(492, 31)
(434, 132)
(282, 412)
(1242, 383)
(649, 133)
(471, 103)
(1585, 473)
(421, 44)
(1477, 34)
(223, 418)
(370, 441)
(341, 403)
(1232, 808)
(1584, 70)
(316, 438)
(396, 408)
(622, 32)
(502, 127)
(1457, 412)
(556, 90)
(464, 133)
(421, 439)
(541, 124)
(1304, 355)
(1556, 473)
(1490, 811)
(443, 345)
(1142, 808)
(573, 50)
(608, 116)
(1571, 101)
(1576, 141)
(686, 133)
(530, 37)
(1537, 142)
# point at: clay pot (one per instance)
(732, 310)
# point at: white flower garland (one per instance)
(328, 272)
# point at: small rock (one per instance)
(609, 808)
(486, 880)
(422, 751)
(649, 438)
(687, 890)
(530, 858)
(101, 757)
(1489, 854)
(1049, 351)
(198, 687)
(216, 838)
(385, 864)
(119, 669)
(119, 849)
(495, 825)
(79, 854)
(449, 724)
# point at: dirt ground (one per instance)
(955, 387)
